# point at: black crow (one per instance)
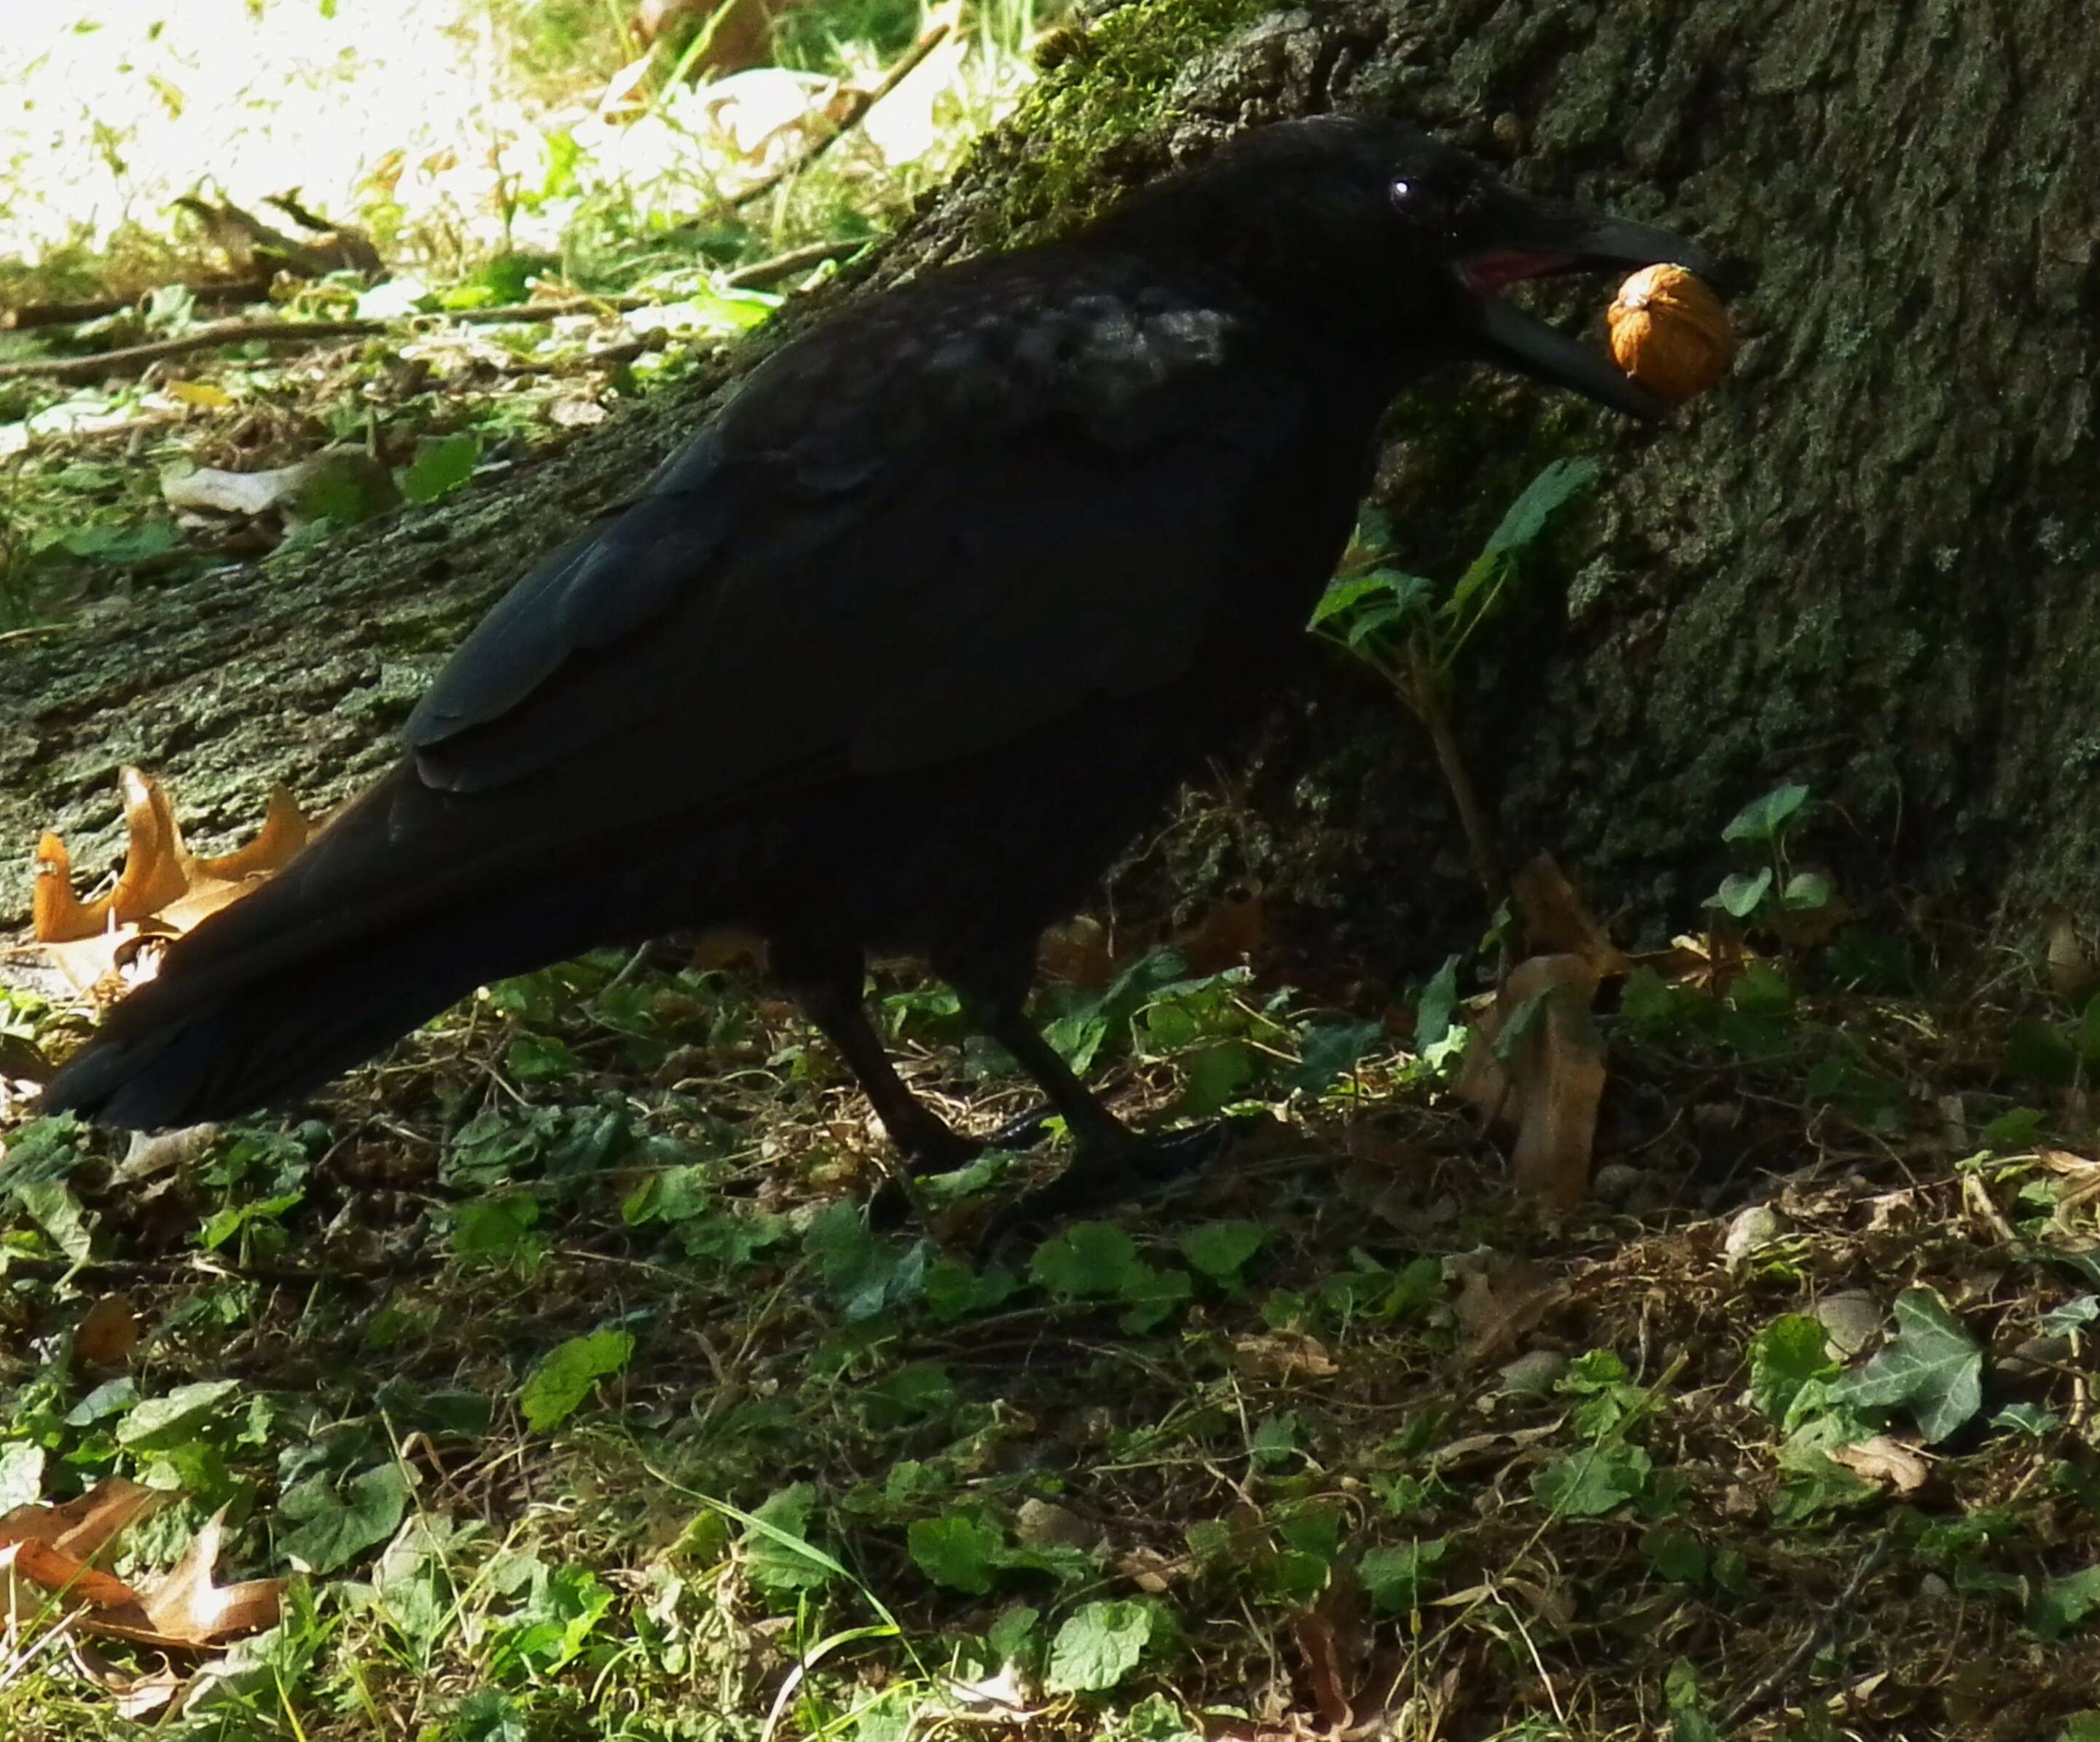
(908, 640)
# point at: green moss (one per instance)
(1113, 86)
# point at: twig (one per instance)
(202, 1269)
(856, 108)
(133, 357)
(759, 273)
(1870, 1564)
(70, 314)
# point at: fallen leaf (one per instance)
(1148, 1570)
(1501, 1300)
(184, 1608)
(1558, 922)
(1282, 1357)
(80, 1528)
(155, 1153)
(1885, 1461)
(108, 1332)
(103, 945)
(202, 394)
(1230, 934)
(64, 1575)
(1546, 1081)
(1077, 953)
(132, 1696)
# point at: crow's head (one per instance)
(1380, 229)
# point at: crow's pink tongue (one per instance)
(1486, 273)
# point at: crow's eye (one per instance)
(1406, 196)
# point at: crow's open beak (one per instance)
(1543, 241)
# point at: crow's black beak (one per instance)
(1538, 241)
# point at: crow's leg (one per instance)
(1111, 1162)
(828, 987)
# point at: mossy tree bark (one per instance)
(1869, 561)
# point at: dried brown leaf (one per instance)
(185, 1608)
(80, 1528)
(1558, 922)
(1893, 1464)
(1551, 1085)
(108, 1332)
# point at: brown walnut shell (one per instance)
(1670, 333)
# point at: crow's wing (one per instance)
(907, 539)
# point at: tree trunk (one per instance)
(1867, 561)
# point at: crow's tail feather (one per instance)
(345, 951)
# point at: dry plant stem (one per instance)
(1425, 698)
(1774, 1683)
(70, 314)
(862, 102)
(135, 357)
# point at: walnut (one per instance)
(1671, 334)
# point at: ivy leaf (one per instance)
(2058, 1605)
(1933, 1368)
(336, 1526)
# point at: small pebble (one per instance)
(1757, 1226)
(1535, 1374)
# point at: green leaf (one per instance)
(495, 1230)
(1220, 1250)
(960, 1553)
(1933, 1368)
(160, 1424)
(1099, 1645)
(1345, 595)
(1676, 1555)
(2039, 1052)
(1741, 891)
(1594, 1482)
(2058, 1605)
(1013, 1636)
(540, 1058)
(1330, 1049)
(1395, 1579)
(2078, 1313)
(2083, 1726)
(566, 1374)
(1759, 822)
(2028, 1419)
(1784, 1356)
(778, 1552)
(2014, 1129)
(1214, 1076)
(1806, 892)
(1439, 1000)
(864, 1272)
(441, 466)
(1087, 1259)
(1152, 1297)
(1555, 487)
(336, 1524)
